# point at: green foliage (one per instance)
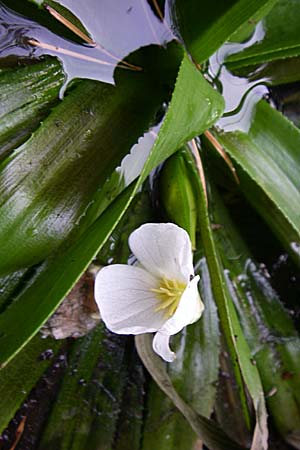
(269, 178)
(22, 375)
(27, 94)
(204, 28)
(74, 183)
(280, 38)
(268, 327)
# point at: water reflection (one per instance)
(117, 28)
(129, 170)
(240, 93)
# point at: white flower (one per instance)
(159, 294)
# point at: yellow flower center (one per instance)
(169, 294)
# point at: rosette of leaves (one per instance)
(79, 103)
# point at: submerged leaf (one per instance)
(244, 370)
(86, 410)
(268, 328)
(17, 380)
(205, 428)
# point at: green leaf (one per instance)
(177, 196)
(195, 106)
(229, 399)
(87, 405)
(213, 437)
(278, 72)
(165, 428)
(267, 162)
(37, 300)
(246, 31)
(17, 380)
(205, 28)
(131, 418)
(50, 285)
(280, 38)
(197, 382)
(8, 286)
(233, 335)
(268, 327)
(48, 183)
(100, 398)
(27, 93)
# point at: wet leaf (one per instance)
(87, 406)
(40, 301)
(195, 371)
(37, 299)
(195, 106)
(164, 426)
(177, 196)
(268, 327)
(278, 40)
(267, 161)
(27, 94)
(206, 429)
(205, 28)
(48, 183)
(244, 370)
(17, 380)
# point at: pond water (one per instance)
(115, 29)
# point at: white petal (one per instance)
(160, 345)
(164, 249)
(189, 310)
(126, 303)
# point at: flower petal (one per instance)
(164, 249)
(189, 310)
(126, 303)
(160, 345)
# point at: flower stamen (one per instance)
(169, 294)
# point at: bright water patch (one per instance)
(116, 28)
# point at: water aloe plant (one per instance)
(118, 113)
